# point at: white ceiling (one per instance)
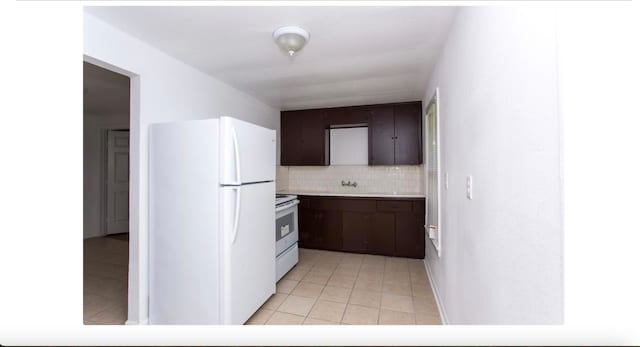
(356, 55)
(105, 93)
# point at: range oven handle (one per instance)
(287, 205)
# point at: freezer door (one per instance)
(248, 152)
(248, 217)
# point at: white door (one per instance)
(248, 217)
(248, 152)
(117, 218)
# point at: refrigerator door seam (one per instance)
(244, 184)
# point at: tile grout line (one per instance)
(335, 263)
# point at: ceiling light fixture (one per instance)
(291, 38)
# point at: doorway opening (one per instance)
(106, 123)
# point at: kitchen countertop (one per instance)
(353, 194)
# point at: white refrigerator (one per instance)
(211, 221)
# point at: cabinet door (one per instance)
(291, 141)
(314, 139)
(408, 134)
(334, 116)
(382, 239)
(356, 115)
(307, 225)
(410, 235)
(329, 234)
(355, 227)
(303, 137)
(381, 135)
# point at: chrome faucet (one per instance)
(350, 184)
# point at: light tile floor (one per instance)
(323, 288)
(345, 288)
(106, 261)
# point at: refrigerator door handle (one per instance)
(236, 219)
(236, 151)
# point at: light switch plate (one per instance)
(469, 187)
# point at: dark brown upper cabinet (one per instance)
(408, 133)
(303, 136)
(354, 115)
(381, 136)
(395, 134)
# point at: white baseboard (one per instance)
(134, 322)
(436, 294)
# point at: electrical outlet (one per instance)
(469, 187)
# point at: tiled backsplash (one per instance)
(402, 179)
(282, 177)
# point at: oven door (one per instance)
(286, 226)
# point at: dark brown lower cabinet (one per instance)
(319, 228)
(355, 226)
(382, 235)
(409, 235)
(307, 227)
(382, 226)
(328, 234)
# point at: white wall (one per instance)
(163, 89)
(599, 74)
(349, 146)
(94, 127)
(502, 258)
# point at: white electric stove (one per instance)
(286, 233)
